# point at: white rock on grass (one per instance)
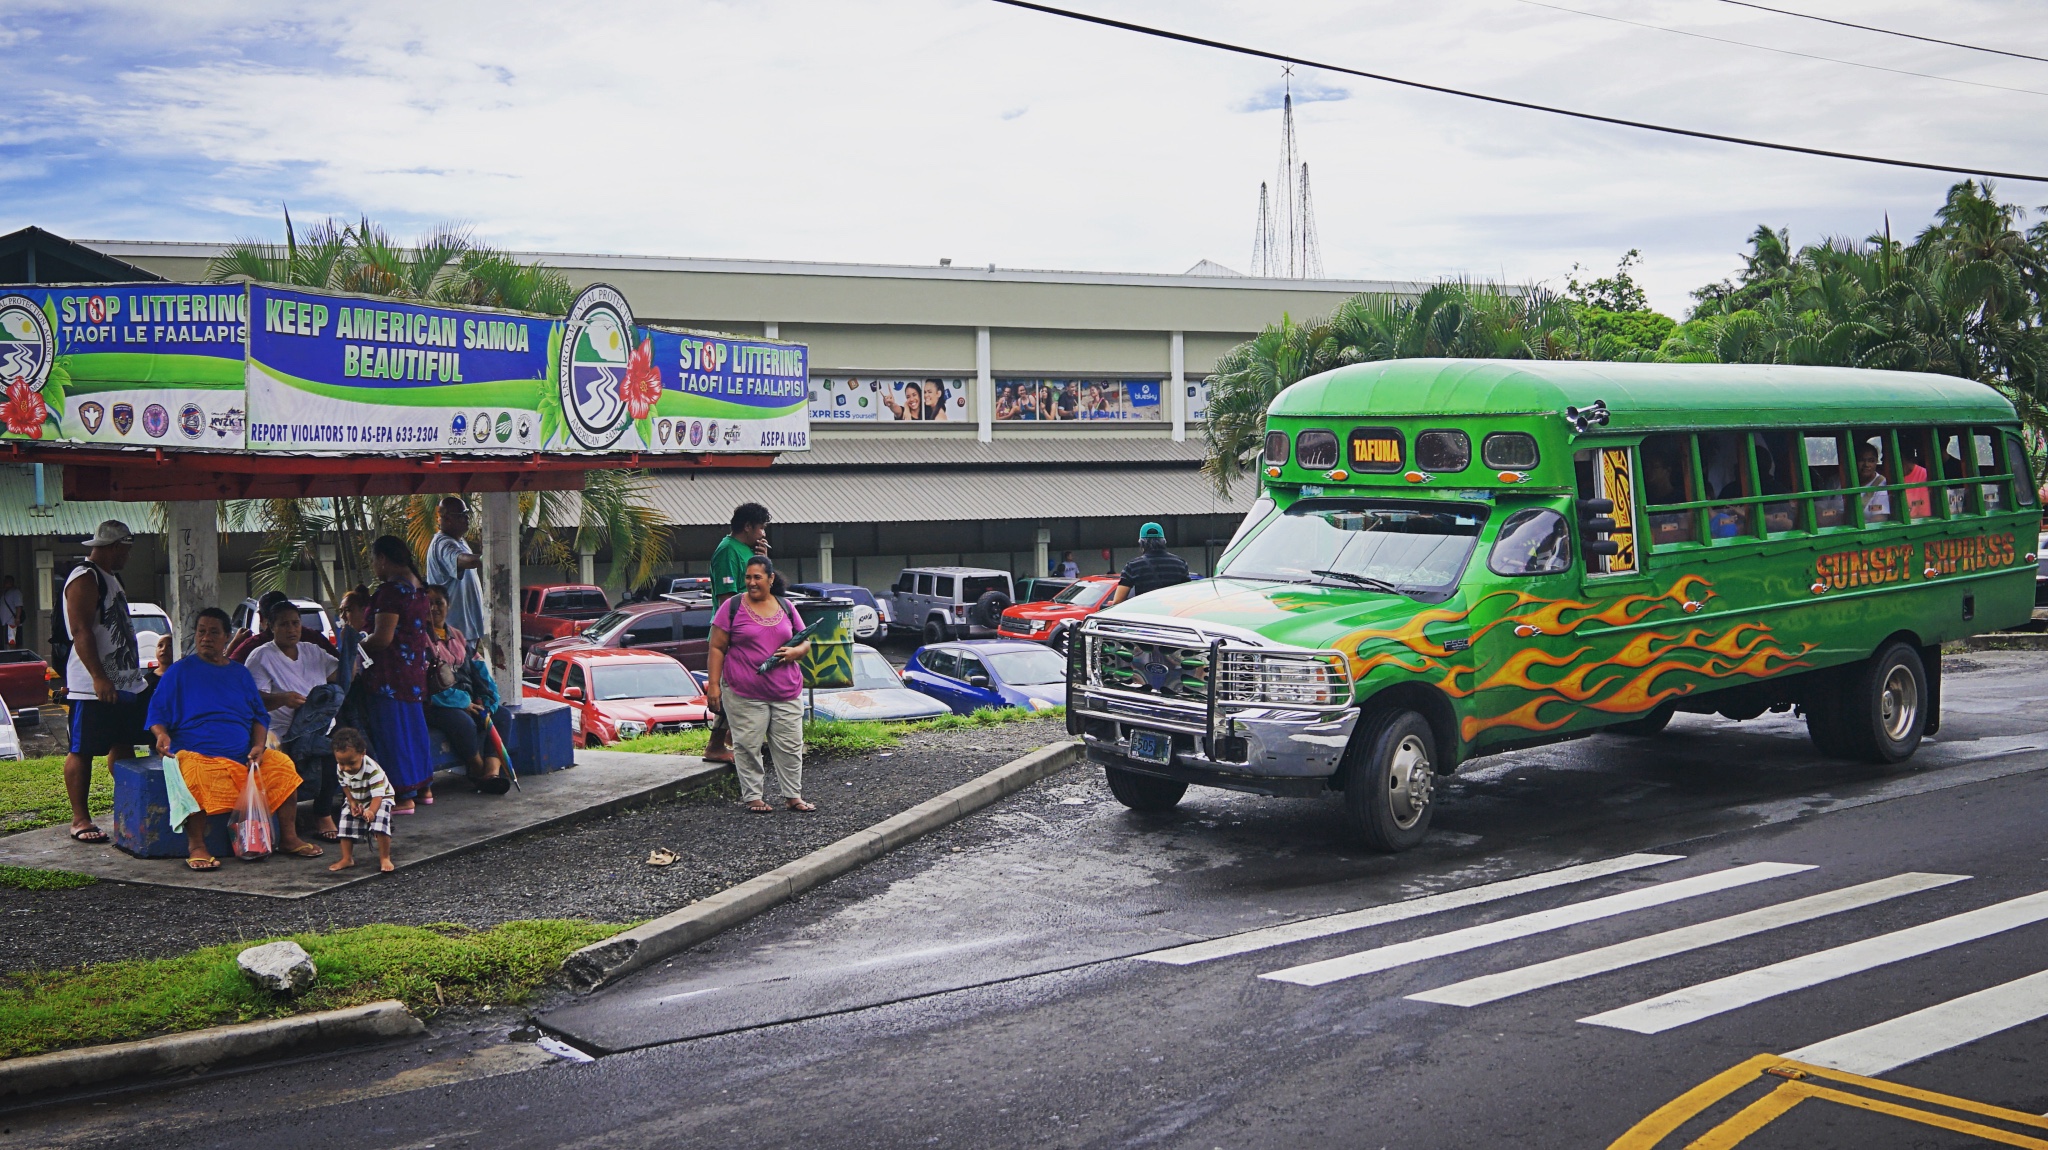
(281, 966)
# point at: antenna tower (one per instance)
(1285, 245)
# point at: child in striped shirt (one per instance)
(367, 796)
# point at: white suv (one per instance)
(950, 602)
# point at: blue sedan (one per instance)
(969, 676)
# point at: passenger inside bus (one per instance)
(1824, 470)
(1727, 478)
(1877, 505)
(1771, 447)
(1666, 476)
(1919, 504)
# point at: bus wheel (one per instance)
(1391, 786)
(1879, 710)
(1144, 792)
(1650, 724)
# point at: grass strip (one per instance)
(32, 793)
(842, 737)
(429, 968)
(29, 878)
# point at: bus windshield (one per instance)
(1412, 549)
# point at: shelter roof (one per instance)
(1643, 395)
(33, 255)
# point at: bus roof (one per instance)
(1645, 395)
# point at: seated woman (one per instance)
(452, 708)
(206, 712)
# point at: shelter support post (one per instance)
(501, 591)
(825, 557)
(586, 563)
(1177, 387)
(195, 565)
(326, 555)
(1042, 552)
(46, 600)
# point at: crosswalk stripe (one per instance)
(1329, 924)
(1874, 1050)
(1452, 942)
(1493, 987)
(1667, 1011)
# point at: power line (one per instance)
(1281, 57)
(1886, 31)
(1779, 51)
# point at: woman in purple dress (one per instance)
(395, 683)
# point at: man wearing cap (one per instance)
(1154, 568)
(103, 676)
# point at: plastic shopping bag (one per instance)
(250, 822)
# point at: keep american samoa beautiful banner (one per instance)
(136, 365)
(348, 375)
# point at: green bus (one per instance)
(1453, 558)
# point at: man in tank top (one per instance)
(103, 675)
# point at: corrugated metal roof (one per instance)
(800, 495)
(900, 448)
(19, 514)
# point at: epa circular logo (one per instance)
(458, 426)
(504, 426)
(482, 426)
(191, 420)
(596, 339)
(27, 348)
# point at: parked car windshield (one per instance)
(154, 624)
(1086, 594)
(1414, 549)
(871, 672)
(643, 681)
(575, 604)
(1028, 668)
(975, 586)
(603, 629)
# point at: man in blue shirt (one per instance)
(451, 564)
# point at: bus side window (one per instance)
(1724, 461)
(1777, 471)
(1873, 469)
(2023, 481)
(1994, 458)
(1916, 459)
(1956, 463)
(1533, 541)
(1667, 479)
(1824, 470)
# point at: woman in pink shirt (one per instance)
(755, 681)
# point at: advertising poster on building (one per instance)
(136, 365)
(929, 399)
(1198, 400)
(334, 374)
(721, 393)
(1076, 399)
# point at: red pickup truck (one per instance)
(24, 680)
(552, 610)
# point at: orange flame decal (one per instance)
(1523, 717)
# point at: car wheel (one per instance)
(934, 631)
(1874, 711)
(1144, 792)
(1058, 639)
(1391, 786)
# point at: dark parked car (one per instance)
(867, 617)
(968, 676)
(680, 631)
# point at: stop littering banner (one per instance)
(335, 374)
(134, 365)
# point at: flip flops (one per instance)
(207, 863)
(88, 834)
(662, 856)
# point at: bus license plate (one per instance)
(1152, 747)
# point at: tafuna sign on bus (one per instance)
(140, 365)
(346, 375)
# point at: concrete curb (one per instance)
(40, 1073)
(603, 962)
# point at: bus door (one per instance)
(1519, 658)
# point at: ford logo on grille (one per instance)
(1156, 675)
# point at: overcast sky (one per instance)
(902, 131)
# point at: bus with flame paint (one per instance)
(1454, 558)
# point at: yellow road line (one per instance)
(1682, 1109)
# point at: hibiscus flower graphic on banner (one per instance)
(24, 409)
(643, 382)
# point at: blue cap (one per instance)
(1152, 531)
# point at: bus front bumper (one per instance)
(1268, 751)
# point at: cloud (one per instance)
(1306, 91)
(1013, 113)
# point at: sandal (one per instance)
(304, 851)
(800, 805)
(759, 807)
(88, 834)
(203, 862)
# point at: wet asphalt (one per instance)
(983, 987)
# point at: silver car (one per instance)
(877, 693)
(942, 603)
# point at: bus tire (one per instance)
(1390, 787)
(1647, 726)
(1144, 792)
(1880, 713)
